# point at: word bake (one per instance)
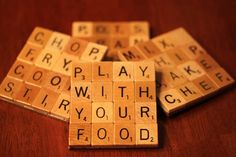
(40, 77)
(186, 72)
(113, 104)
(115, 35)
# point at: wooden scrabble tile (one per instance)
(163, 61)
(102, 112)
(80, 134)
(102, 134)
(93, 52)
(147, 134)
(174, 77)
(207, 62)
(102, 71)
(134, 39)
(100, 39)
(144, 71)
(64, 64)
(205, 85)
(221, 77)
(171, 100)
(27, 93)
(124, 112)
(125, 134)
(164, 42)
(81, 71)
(193, 50)
(40, 36)
(62, 106)
(139, 28)
(191, 70)
(80, 112)
(118, 43)
(123, 91)
(10, 87)
(82, 91)
(55, 81)
(149, 49)
(47, 59)
(82, 29)
(123, 71)
(37, 76)
(19, 69)
(45, 100)
(57, 42)
(189, 92)
(131, 54)
(29, 52)
(101, 28)
(101, 91)
(120, 29)
(76, 46)
(145, 112)
(145, 91)
(177, 56)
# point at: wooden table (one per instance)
(208, 129)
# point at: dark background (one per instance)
(208, 129)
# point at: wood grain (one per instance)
(209, 129)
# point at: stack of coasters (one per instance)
(113, 104)
(40, 77)
(186, 72)
(115, 35)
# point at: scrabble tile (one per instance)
(102, 91)
(145, 112)
(29, 52)
(101, 28)
(191, 70)
(119, 43)
(193, 50)
(123, 71)
(171, 101)
(27, 93)
(124, 112)
(189, 92)
(81, 71)
(93, 52)
(102, 134)
(80, 112)
(143, 71)
(80, 134)
(125, 134)
(102, 40)
(10, 87)
(64, 63)
(82, 29)
(45, 100)
(19, 69)
(205, 85)
(102, 71)
(62, 106)
(76, 46)
(149, 49)
(55, 81)
(147, 134)
(134, 39)
(221, 77)
(123, 91)
(207, 62)
(37, 76)
(131, 54)
(47, 59)
(145, 91)
(120, 28)
(57, 42)
(102, 112)
(40, 36)
(185, 72)
(82, 91)
(139, 28)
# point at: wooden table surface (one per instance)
(208, 129)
